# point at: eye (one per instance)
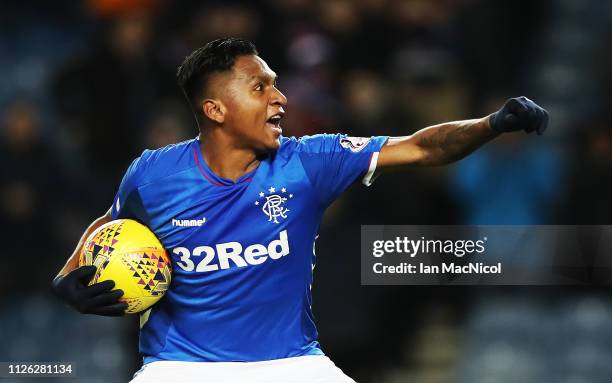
(259, 87)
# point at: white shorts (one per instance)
(302, 369)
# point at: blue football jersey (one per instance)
(242, 251)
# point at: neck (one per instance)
(224, 158)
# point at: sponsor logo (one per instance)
(227, 255)
(354, 144)
(188, 222)
(272, 203)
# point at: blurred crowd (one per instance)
(86, 86)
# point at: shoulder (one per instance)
(331, 143)
(308, 144)
(158, 163)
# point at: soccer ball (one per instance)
(128, 253)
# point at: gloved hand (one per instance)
(519, 113)
(95, 299)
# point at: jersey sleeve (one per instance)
(333, 162)
(128, 202)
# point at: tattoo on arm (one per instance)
(452, 141)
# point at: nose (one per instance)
(278, 98)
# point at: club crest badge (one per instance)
(272, 203)
(354, 144)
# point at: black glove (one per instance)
(95, 299)
(520, 113)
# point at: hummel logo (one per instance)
(188, 222)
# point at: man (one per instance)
(241, 284)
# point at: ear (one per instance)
(214, 110)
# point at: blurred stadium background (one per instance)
(85, 86)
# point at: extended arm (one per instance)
(451, 141)
(438, 144)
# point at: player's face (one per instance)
(254, 104)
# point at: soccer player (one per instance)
(238, 208)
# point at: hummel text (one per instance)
(188, 222)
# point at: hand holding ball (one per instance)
(128, 253)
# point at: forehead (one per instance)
(249, 67)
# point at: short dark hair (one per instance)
(216, 56)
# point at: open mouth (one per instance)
(274, 122)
